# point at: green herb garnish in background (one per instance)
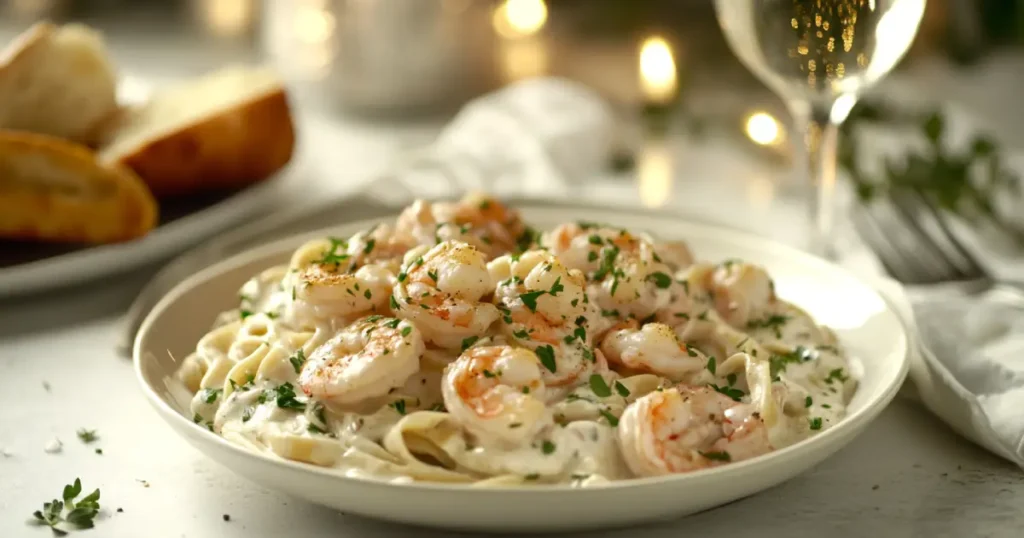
(965, 182)
(87, 436)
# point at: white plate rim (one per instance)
(858, 418)
(91, 262)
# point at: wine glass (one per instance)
(818, 55)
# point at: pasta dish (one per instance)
(457, 344)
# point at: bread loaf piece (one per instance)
(57, 81)
(224, 130)
(55, 190)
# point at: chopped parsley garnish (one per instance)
(392, 323)
(369, 246)
(556, 287)
(246, 313)
(79, 514)
(526, 390)
(547, 447)
(546, 354)
(599, 386)
(285, 397)
(468, 342)
(773, 322)
(402, 276)
(808, 401)
(374, 318)
(406, 330)
(332, 256)
(621, 389)
(526, 239)
(826, 406)
(610, 313)
(297, 360)
(711, 365)
(815, 423)
(531, 476)
(595, 240)
(592, 256)
(367, 294)
(691, 351)
(515, 425)
(521, 334)
(717, 456)
(613, 420)
(247, 414)
(398, 405)
(836, 375)
(209, 395)
(778, 363)
(729, 391)
(88, 436)
(682, 315)
(439, 407)
(489, 374)
(731, 379)
(530, 299)
(393, 302)
(432, 275)
(608, 255)
(660, 279)
(703, 316)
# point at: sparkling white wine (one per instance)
(819, 49)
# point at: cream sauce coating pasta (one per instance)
(459, 345)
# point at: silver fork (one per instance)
(917, 247)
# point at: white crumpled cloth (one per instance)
(967, 362)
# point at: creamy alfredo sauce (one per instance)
(583, 356)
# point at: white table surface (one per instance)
(908, 475)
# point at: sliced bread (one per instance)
(57, 81)
(224, 130)
(55, 190)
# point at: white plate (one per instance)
(29, 267)
(865, 323)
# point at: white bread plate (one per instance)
(866, 325)
(40, 267)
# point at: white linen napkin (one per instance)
(967, 363)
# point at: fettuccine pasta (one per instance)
(457, 345)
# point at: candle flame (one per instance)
(763, 128)
(657, 69)
(520, 18)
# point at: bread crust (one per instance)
(227, 150)
(55, 190)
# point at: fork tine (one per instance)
(908, 208)
(923, 263)
(971, 267)
(888, 253)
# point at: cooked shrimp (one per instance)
(625, 273)
(655, 349)
(364, 360)
(743, 292)
(545, 309)
(675, 254)
(497, 392)
(323, 291)
(477, 219)
(440, 290)
(680, 430)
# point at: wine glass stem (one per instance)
(821, 138)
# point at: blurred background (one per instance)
(663, 62)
